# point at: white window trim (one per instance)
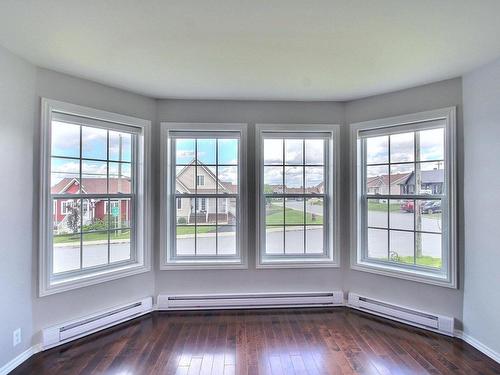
(142, 263)
(449, 279)
(167, 262)
(333, 258)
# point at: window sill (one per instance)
(98, 277)
(216, 264)
(420, 276)
(297, 263)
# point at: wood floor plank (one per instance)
(335, 341)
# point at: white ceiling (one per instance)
(258, 49)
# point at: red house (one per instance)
(94, 208)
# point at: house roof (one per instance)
(434, 176)
(227, 187)
(92, 185)
(384, 179)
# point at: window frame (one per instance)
(169, 261)
(332, 178)
(141, 262)
(416, 121)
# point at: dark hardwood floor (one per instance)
(294, 341)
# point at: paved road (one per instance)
(310, 208)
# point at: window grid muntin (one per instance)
(80, 197)
(304, 196)
(217, 135)
(410, 197)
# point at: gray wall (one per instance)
(250, 112)
(481, 96)
(68, 305)
(17, 108)
(426, 297)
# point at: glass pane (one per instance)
(429, 216)
(184, 151)
(228, 151)
(378, 245)
(185, 241)
(119, 245)
(185, 180)
(294, 211)
(377, 213)
(206, 240)
(94, 143)
(275, 213)
(294, 240)
(273, 180)
(206, 151)
(402, 246)
(94, 214)
(314, 239)
(273, 151)
(314, 210)
(274, 240)
(120, 213)
(206, 180)
(377, 179)
(94, 177)
(377, 150)
(228, 178)
(120, 178)
(226, 240)
(429, 250)
(431, 144)
(294, 151)
(402, 214)
(184, 210)
(431, 177)
(400, 174)
(65, 139)
(205, 210)
(66, 252)
(294, 180)
(120, 146)
(94, 249)
(226, 208)
(66, 216)
(65, 176)
(315, 180)
(315, 149)
(402, 147)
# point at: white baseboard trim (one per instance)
(17, 361)
(478, 345)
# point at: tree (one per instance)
(73, 218)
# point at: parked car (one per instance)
(431, 207)
(408, 206)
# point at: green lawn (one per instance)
(190, 230)
(92, 236)
(375, 206)
(274, 215)
(426, 261)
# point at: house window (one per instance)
(205, 170)
(405, 196)
(297, 199)
(93, 177)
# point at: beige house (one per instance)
(204, 210)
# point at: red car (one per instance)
(408, 206)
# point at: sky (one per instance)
(65, 140)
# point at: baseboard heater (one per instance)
(75, 329)
(433, 322)
(249, 301)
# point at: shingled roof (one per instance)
(92, 185)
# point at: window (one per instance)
(405, 197)
(297, 196)
(204, 176)
(93, 210)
